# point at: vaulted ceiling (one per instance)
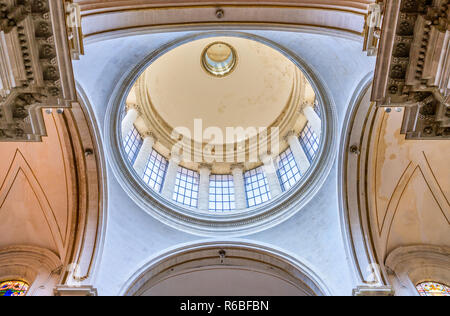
(101, 17)
(411, 189)
(37, 199)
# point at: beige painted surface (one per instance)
(412, 188)
(35, 193)
(253, 95)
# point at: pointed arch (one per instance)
(20, 165)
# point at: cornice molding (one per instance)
(413, 66)
(35, 66)
(347, 17)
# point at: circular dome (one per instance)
(261, 93)
(219, 59)
(221, 156)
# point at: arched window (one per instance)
(186, 187)
(221, 193)
(155, 171)
(256, 187)
(288, 171)
(13, 288)
(132, 144)
(433, 289)
(310, 142)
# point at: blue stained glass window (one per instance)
(288, 171)
(132, 143)
(186, 187)
(221, 193)
(256, 187)
(155, 171)
(13, 288)
(310, 142)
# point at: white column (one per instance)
(271, 174)
(239, 186)
(203, 190)
(128, 121)
(171, 176)
(297, 150)
(144, 153)
(313, 119)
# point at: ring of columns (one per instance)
(244, 217)
(296, 146)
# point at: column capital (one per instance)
(237, 166)
(290, 134)
(205, 166)
(267, 158)
(130, 106)
(151, 135)
(305, 105)
(134, 108)
(138, 108)
(175, 157)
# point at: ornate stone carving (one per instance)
(35, 66)
(413, 66)
(372, 29)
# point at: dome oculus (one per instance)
(219, 59)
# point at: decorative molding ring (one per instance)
(233, 223)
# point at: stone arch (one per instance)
(409, 266)
(380, 175)
(92, 192)
(231, 255)
(38, 267)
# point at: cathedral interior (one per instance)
(225, 148)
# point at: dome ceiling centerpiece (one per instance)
(219, 59)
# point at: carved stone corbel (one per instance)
(35, 66)
(413, 66)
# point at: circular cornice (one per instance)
(235, 223)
